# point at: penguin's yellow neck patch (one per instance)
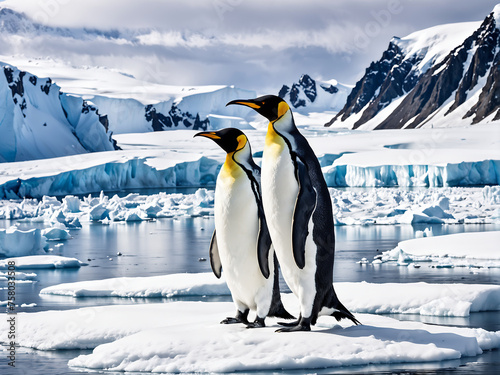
(282, 109)
(273, 139)
(231, 169)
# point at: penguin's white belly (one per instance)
(279, 194)
(237, 228)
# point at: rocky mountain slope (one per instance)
(442, 76)
(308, 95)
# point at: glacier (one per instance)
(39, 121)
(412, 158)
(474, 173)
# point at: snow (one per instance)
(409, 298)
(419, 298)
(185, 284)
(475, 245)
(42, 261)
(186, 337)
(435, 43)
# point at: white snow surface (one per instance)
(435, 43)
(186, 337)
(409, 298)
(421, 157)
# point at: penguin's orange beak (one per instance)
(210, 135)
(249, 103)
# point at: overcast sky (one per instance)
(257, 44)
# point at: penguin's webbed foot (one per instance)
(241, 317)
(258, 323)
(304, 324)
(291, 324)
(294, 329)
(230, 320)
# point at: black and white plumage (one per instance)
(241, 244)
(298, 208)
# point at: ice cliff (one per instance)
(38, 121)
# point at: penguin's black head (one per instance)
(229, 139)
(271, 107)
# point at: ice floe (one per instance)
(408, 298)
(187, 337)
(472, 249)
(42, 261)
(184, 284)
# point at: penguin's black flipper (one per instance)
(214, 257)
(304, 207)
(263, 245)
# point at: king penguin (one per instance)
(298, 208)
(241, 244)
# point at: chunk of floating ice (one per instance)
(15, 242)
(54, 234)
(363, 261)
(42, 261)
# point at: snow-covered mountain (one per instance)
(38, 121)
(131, 104)
(442, 76)
(311, 95)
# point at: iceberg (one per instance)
(15, 242)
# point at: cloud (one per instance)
(252, 44)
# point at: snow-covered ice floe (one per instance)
(187, 337)
(184, 284)
(474, 249)
(21, 277)
(408, 298)
(350, 207)
(42, 261)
